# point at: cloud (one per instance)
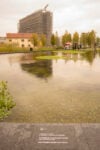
(80, 15)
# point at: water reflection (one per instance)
(31, 57)
(42, 69)
(21, 58)
(73, 57)
(89, 56)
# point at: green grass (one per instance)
(71, 51)
(48, 57)
(62, 50)
(12, 49)
(15, 49)
(46, 49)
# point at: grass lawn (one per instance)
(12, 49)
(15, 49)
(71, 51)
(62, 50)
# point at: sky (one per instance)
(68, 15)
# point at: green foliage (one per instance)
(71, 51)
(6, 100)
(53, 40)
(11, 48)
(35, 39)
(66, 38)
(38, 40)
(84, 39)
(98, 41)
(45, 48)
(88, 39)
(43, 39)
(48, 57)
(57, 40)
(91, 38)
(63, 40)
(75, 37)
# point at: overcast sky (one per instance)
(70, 15)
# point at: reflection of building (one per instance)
(20, 39)
(39, 22)
(42, 69)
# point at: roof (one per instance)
(68, 43)
(19, 35)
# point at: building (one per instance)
(19, 39)
(2, 40)
(68, 45)
(39, 22)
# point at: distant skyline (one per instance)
(77, 15)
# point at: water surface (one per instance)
(53, 91)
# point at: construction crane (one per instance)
(45, 7)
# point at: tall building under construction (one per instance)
(39, 22)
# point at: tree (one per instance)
(84, 39)
(53, 40)
(69, 38)
(57, 40)
(35, 39)
(75, 37)
(66, 38)
(63, 40)
(98, 41)
(43, 39)
(91, 38)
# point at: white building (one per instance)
(2, 40)
(19, 39)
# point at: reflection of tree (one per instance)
(89, 56)
(98, 52)
(73, 57)
(42, 68)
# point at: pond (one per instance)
(53, 90)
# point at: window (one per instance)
(10, 40)
(22, 45)
(22, 40)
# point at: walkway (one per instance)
(16, 136)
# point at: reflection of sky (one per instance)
(76, 72)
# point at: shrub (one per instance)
(6, 100)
